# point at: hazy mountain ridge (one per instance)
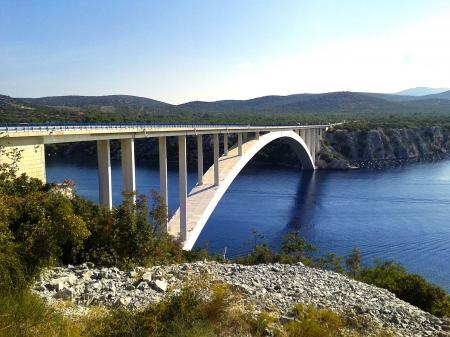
(421, 91)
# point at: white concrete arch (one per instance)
(203, 199)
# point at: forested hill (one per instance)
(125, 107)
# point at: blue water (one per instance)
(400, 214)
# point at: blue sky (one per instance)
(179, 51)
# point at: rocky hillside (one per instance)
(383, 147)
(273, 287)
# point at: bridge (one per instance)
(196, 206)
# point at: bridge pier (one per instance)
(302, 133)
(163, 187)
(128, 166)
(257, 135)
(216, 159)
(317, 141)
(225, 144)
(239, 143)
(182, 168)
(200, 159)
(104, 173)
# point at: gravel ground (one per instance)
(272, 287)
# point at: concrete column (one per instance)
(302, 134)
(128, 166)
(163, 187)
(182, 167)
(104, 173)
(200, 159)
(239, 144)
(306, 139)
(216, 159)
(257, 135)
(312, 142)
(225, 144)
(317, 134)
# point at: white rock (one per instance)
(160, 285)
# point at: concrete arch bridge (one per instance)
(197, 205)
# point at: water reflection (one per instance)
(302, 213)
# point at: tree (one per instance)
(296, 246)
(353, 262)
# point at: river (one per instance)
(400, 214)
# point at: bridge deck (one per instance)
(199, 198)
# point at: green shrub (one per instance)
(23, 314)
(411, 288)
(330, 261)
(353, 262)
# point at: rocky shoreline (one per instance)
(383, 147)
(272, 287)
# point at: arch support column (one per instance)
(239, 143)
(200, 159)
(225, 144)
(104, 173)
(216, 159)
(302, 133)
(182, 168)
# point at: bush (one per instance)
(293, 249)
(23, 314)
(312, 322)
(411, 288)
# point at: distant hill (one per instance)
(421, 91)
(109, 103)
(333, 102)
(127, 108)
(263, 102)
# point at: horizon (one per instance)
(233, 99)
(205, 51)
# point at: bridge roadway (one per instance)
(195, 206)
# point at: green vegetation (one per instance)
(361, 111)
(411, 288)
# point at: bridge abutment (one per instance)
(31, 160)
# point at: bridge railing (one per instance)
(24, 127)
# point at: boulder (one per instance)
(160, 285)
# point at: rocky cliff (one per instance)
(382, 147)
